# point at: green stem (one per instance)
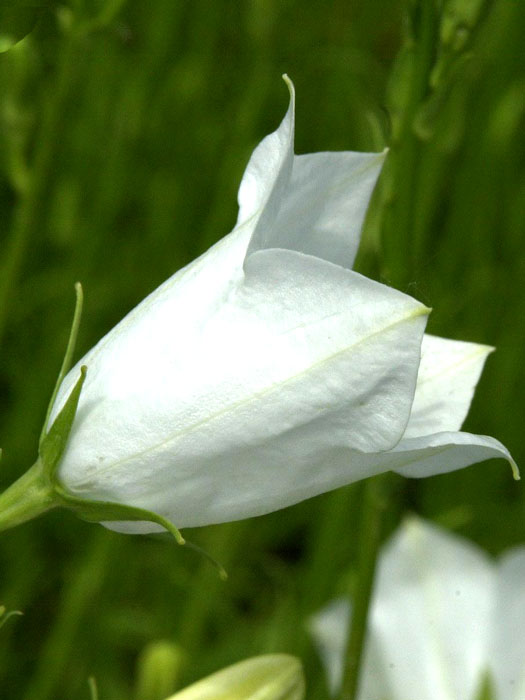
(28, 216)
(405, 154)
(92, 683)
(31, 495)
(370, 540)
(324, 563)
(224, 543)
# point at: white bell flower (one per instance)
(443, 618)
(268, 371)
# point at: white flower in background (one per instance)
(270, 677)
(267, 371)
(442, 616)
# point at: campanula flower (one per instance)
(267, 371)
(445, 620)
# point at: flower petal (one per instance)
(302, 362)
(329, 629)
(313, 204)
(448, 374)
(416, 457)
(429, 627)
(267, 174)
(445, 452)
(507, 655)
(324, 206)
(208, 279)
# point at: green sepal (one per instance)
(105, 511)
(54, 442)
(51, 450)
(68, 357)
(40, 488)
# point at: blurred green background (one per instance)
(124, 130)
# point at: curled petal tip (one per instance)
(289, 83)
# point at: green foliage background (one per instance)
(124, 131)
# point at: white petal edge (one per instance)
(267, 174)
(445, 452)
(507, 655)
(448, 374)
(323, 208)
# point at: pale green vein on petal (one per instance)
(480, 350)
(415, 313)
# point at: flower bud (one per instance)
(271, 677)
(158, 670)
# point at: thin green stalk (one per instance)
(370, 540)
(28, 497)
(409, 91)
(92, 683)
(223, 543)
(324, 562)
(4, 616)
